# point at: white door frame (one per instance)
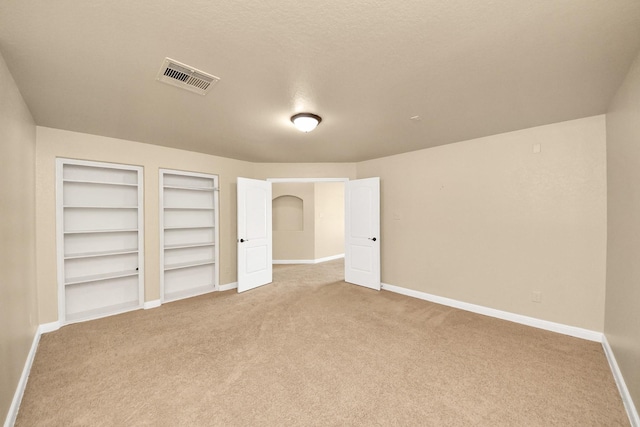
(275, 180)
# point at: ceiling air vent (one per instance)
(186, 77)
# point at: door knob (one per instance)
(372, 238)
(242, 240)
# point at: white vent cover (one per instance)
(186, 77)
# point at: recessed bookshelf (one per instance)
(188, 234)
(100, 236)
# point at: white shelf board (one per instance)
(79, 181)
(97, 313)
(116, 230)
(200, 290)
(100, 254)
(99, 277)
(98, 207)
(185, 208)
(188, 245)
(188, 227)
(180, 187)
(188, 264)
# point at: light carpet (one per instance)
(312, 350)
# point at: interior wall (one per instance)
(329, 219)
(304, 170)
(295, 244)
(490, 221)
(52, 143)
(18, 295)
(622, 314)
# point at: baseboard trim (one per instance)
(504, 315)
(632, 412)
(22, 384)
(151, 304)
(49, 327)
(228, 287)
(308, 261)
(329, 258)
(293, 261)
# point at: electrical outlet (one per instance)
(536, 296)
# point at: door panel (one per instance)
(362, 232)
(254, 234)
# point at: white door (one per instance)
(362, 232)
(254, 234)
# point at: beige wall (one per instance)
(52, 143)
(488, 221)
(295, 244)
(484, 221)
(622, 319)
(329, 219)
(18, 298)
(304, 170)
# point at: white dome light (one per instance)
(306, 122)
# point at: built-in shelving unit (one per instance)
(100, 239)
(188, 234)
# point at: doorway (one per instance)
(308, 221)
(361, 225)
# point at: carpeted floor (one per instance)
(311, 350)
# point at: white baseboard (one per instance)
(49, 327)
(293, 261)
(632, 412)
(308, 261)
(151, 304)
(505, 315)
(22, 384)
(329, 258)
(228, 286)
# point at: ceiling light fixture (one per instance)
(306, 122)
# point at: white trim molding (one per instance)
(499, 314)
(49, 327)
(275, 180)
(151, 304)
(293, 261)
(22, 383)
(228, 286)
(308, 261)
(632, 412)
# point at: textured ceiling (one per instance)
(468, 68)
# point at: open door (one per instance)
(362, 232)
(254, 234)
